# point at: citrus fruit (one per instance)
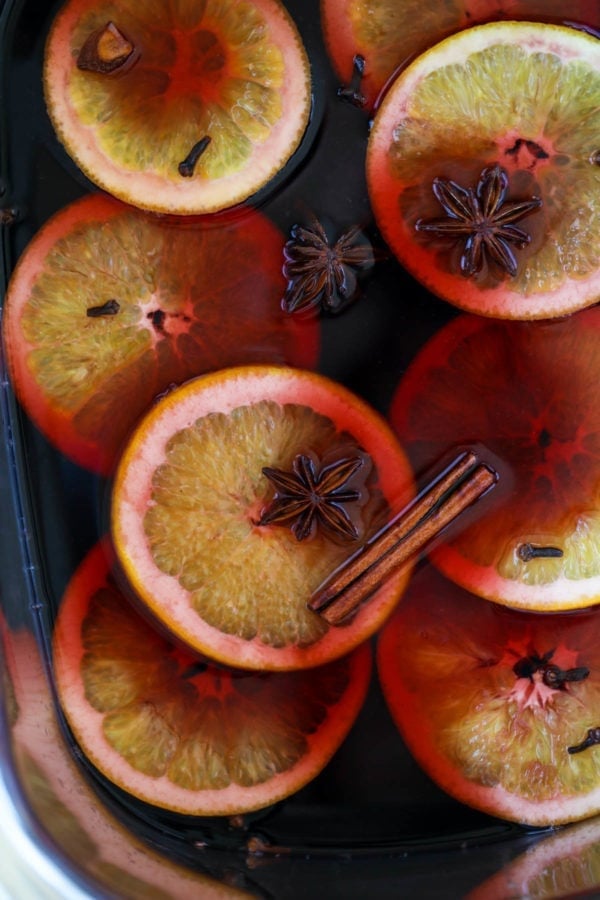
(188, 501)
(67, 808)
(206, 103)
(483, 173)
(496, 704)
(181, 734)
(389, 33)
(109, 306)
(565, 864)
(527, 392)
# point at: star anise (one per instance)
(482, 219)
(318, 495)
(322, 275)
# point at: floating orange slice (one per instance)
(182, 735)
(563, 864)
(67, 807)
(497, 706)
(188, 513)
(483, 169)
(527, 392)
(184, 108)
(389, 33)
(108, 307)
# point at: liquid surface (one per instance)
(372, 796)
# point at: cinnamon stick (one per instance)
(464, 482)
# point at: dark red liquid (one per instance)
(372, 798)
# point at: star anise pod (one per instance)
(322, 275)
(482, 219)
(313, 495)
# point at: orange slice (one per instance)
(494, 704)
(180, 734)
(527, 392)
(564, 864)
(68, 808)
(183, 108)
(108, 307)
(493, 117)
(190, 493)
(389, 33)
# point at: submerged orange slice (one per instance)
(184, 108)
(389, 33)
(188, 500)
(565, 863)
(528, 393)
(492, 118)
(180, 734)
(496, 705)
(108, 307)
(67, 807)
